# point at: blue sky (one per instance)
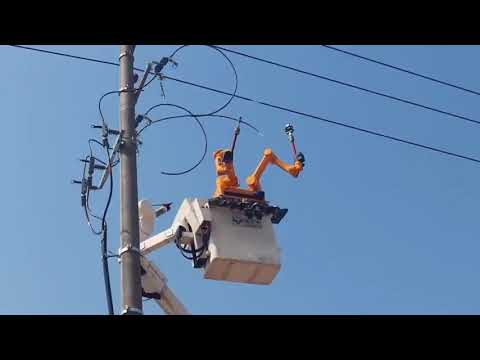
(374, 227)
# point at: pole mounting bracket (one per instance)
(127, 248)
(129, 309)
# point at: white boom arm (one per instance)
(164, 238)
(154, 282)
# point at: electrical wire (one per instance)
(104, 241)
(200, 86)
(90, 212)
(100, 104)
(75, 57)
(103, 231)
(66, 55)
(151, 122)
(304, 72)
(241, 121)
(95, 232)
(353, 86)
(234, 73)
(410, 72)
(149, 81)
(104, 228)
(90, 141)
(195, 117)
(91, 60)
(184, 251)
(106, 273)
(156, 75)
(111, 185)
(232, 96)
(119, 92)
(297, 112)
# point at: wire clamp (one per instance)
(127, 248)
(131, 310)
(149, 121)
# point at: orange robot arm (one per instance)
(253, 181)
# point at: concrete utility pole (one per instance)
(129, 231)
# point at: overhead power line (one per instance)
(293, 111)
(353, 86)
(66, 55)
(398, 68)
(445, 152)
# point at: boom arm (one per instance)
(154, 282)
(253, 181)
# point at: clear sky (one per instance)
(374, 227)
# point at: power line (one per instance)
(458, 87)
(293, 111)
(66, 55)
(353, 86)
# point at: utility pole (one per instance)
(131, 282)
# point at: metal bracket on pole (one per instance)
(132, 310)
(129, 247)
